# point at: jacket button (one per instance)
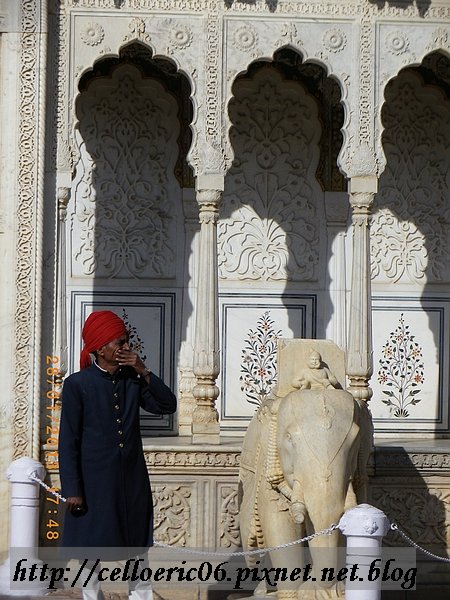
(118, 420)
(116, 406)
(120, 432)
(116, 395)
(120, 445)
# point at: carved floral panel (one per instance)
(172, 513)
(410, 353)
(410, 233)
(259, 360)
(126, 196)
(229, 532)
(422, 513)
(401, 371)
(270, 218)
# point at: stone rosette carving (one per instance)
(334, 40)
(245, 38)
(397, 43)
(180, 36)
(92, 34)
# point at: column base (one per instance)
(205, 433)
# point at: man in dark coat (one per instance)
(102, 467)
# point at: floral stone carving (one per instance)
(125, 198)
(410, 237)
(401, 370)
(269, 226)
(259, 361)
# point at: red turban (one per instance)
(100, 328)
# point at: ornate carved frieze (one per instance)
(175, 459)
(430, 463)
(64, 146)
(125, 207)
(270, 216)
(312, 8)
(410, 237)
(25, 232)
(365, 104)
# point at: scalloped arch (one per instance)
(423, 68)
(142, 55)
(274, 60)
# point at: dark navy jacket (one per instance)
(101, 456)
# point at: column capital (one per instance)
(209, 200)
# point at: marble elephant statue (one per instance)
(303, 463)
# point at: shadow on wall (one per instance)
(286, 118)
(402, 493)
(422, 5)
(409, 227)
(271, 4)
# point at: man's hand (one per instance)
(74, 502)
(128, 358)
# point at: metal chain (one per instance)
(327, 531)
(34, 477)
(395, 527)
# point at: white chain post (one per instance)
(24, 502)
(364, 527)
(24, 520)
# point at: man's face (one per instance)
(108, 353)
(314, 361)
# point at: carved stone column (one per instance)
(205, 422)
(60, 328)
(336, 209)
(187, 381)
(359, 355)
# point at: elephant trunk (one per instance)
(325, 506)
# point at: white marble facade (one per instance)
(210, 170)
